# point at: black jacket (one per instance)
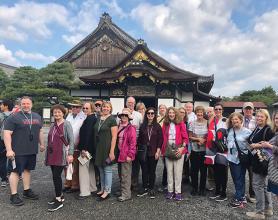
(86, 134)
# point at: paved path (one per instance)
(138, 208)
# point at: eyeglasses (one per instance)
(150, 113)
(218, 109)
(85, 108)
(124, 115)
(97, 105)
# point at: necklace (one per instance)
(149, 133)
(101, 121)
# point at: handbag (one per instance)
(244, 159)
(171, 151)
(260, 160)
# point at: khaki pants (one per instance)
(74, 183)
(87, 179)
(174, 174)
(126, 169)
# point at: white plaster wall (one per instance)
(187, 97)
(117, 104)
(167, 102)
(205, 104)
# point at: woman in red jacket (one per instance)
(174, 135)
(127, 150)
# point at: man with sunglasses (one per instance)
(98, 104)
(76, 118)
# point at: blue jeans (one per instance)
(105, 173)
(238, 174)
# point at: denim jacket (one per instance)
(241, 136)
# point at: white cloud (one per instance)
(30, 19)
(35, 57)
(83, 22)
(27, 19)
(87, 17)
(114, 8)
(207, 39)
(6, 56)
(73, 39)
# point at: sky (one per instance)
(235, 40)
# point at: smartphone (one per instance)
(108, 161)
(13, 163)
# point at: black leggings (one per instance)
(57, 179)
(198, 166)
(221, 178)
(148, 172)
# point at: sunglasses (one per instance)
(182, 112)
(124, 115)
(75, 107)
(85, 108)
(97, 105)
(218, 109)
(150, 113)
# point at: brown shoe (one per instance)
(268, 212)
(255, 215)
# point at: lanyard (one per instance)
(101, 122)
(246, 122)
(53, 133)
(149, 132)
(30, 121)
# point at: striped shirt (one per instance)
(272, 169)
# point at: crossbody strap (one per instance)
(161, 119)
(123, 128)
(62, 137)
(238, 149)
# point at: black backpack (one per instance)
(220, 142)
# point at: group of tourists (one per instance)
(194, 146)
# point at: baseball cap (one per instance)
(248, 104)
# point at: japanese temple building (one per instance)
(114, 66)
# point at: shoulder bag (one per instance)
(260, 159)
(244, 159)
(172, 149)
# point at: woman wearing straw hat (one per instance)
(127, 149)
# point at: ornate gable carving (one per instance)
(105, 43)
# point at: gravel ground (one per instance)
(137, 208)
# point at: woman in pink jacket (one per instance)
(174, 135)
(127, 150)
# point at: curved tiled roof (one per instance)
(105, 21)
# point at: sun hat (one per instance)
(125, 111)
(76, 103)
